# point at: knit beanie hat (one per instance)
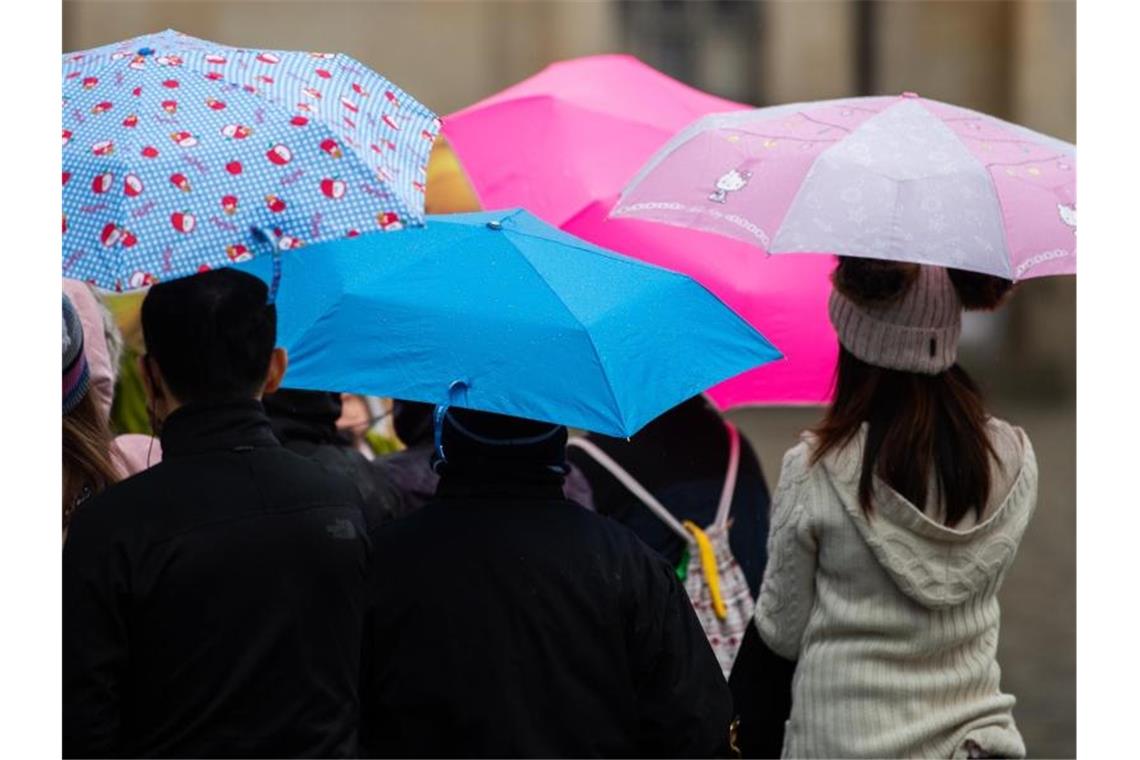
(489, 447)
(915, 332)
(75, 374)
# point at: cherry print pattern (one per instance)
(163, 143)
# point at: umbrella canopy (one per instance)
(897, 178)
(785, 297)
(500, 312)
(181, 154)
(564, 142)
(572, 134)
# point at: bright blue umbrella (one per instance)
(501, 312)
(181, 154)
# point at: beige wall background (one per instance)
(1014, 59)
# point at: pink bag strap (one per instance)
(729, 489)
(634, 487)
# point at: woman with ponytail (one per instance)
(894, 522)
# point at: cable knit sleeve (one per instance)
(788, 590)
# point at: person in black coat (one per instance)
(305, 422)
(410, 470)
(681, 458)
(510, 622)
(213, 604)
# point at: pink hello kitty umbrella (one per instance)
(897, 178)
(562, 144)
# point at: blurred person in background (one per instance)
(682, 458)
(90, 464)
(510, 622)
(305, 422)
(365, 422)
(410, 469)
(103, 346)
(213, 604)
(690, 467)
(894, 523)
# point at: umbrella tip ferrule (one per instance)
(909, 94)
(494, 224)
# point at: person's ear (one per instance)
(278, 363)
(151, 385)
(155, 393)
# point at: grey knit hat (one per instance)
(75, 374)
(915, 333)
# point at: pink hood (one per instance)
(103, 372)
(137, 452)
(134, 452)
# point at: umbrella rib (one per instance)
(589, 248)
(616, 407)
(825, 124)
(1053, 157)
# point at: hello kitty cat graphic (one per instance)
(1068, 215)
(730, 181)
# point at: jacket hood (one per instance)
(299, 415)
(137, 452)
(101, 342)
(935, 565)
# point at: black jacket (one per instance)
(410, 474)
(305, 423)
(514, 623)
(213, 604)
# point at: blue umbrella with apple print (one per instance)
(181, 155)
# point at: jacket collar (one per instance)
(453, 487)
(289, 428)
(201, 427)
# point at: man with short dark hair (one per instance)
(213, 604)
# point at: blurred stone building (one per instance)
(1015, 59)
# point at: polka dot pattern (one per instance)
(181, 155)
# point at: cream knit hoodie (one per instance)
(893, 620)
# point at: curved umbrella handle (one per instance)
(437, 419)
(263, 238)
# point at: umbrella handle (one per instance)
(276, 281)
(263, 238)
(437, 420)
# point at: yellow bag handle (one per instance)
(708, 567)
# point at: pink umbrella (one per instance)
(897, 178)
(563, 143)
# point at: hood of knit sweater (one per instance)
(933, 564)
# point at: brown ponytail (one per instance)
(87, 455)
